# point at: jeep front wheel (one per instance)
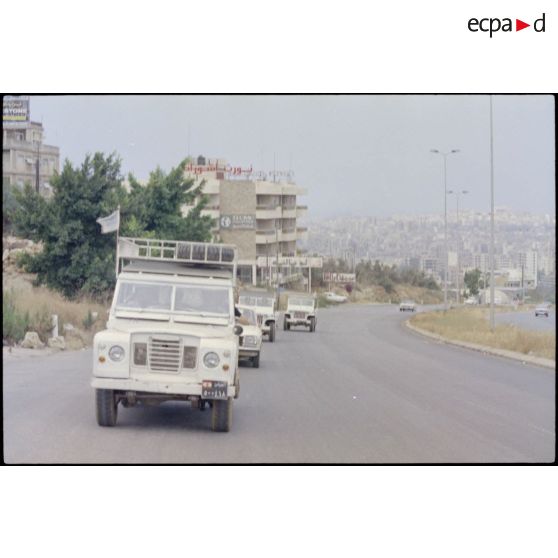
(312, 324)
(221, 415)
(256, 361)
(272, 332)
(106, 406)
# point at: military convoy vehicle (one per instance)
(301, 311)
(265, 306)
(251, 338)
(171, 333)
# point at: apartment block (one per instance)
(258, 212)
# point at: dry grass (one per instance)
(378, 294)
(471, 325)
(40, 301)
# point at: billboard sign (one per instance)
(237, 222)
(15, 110)
(331, 277)
(295, 261)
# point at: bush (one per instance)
(14, 322)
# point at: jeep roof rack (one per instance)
(176, 256)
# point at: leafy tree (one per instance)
(471, 280)
(76, 257)
(9, 206)
(155, 210)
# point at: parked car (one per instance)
(542, 310)
(333, 297)
(471, 300)
(407, 305)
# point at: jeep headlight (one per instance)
(116, 353)
(211, 360)
(251, 340)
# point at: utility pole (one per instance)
(492, 319)
(37, 168)
(457, 194)
(445, 155)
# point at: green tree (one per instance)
(9, 205)
(155, 210)
(471, 280)
(76, 257)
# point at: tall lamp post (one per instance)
(457, 194)
(445, 154)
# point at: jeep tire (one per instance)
(312, 324)
(221, 415)
(256, 361)
(272, 332)
(106, 407)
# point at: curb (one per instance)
(538, 361)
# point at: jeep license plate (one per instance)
(214, 390)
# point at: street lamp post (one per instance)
(445, 156)
(457, 194)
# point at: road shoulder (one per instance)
(538, 361)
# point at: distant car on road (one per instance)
(332, 297)
(407, 305)
(542, 310)
(471, 300)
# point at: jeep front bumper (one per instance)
(131, 384)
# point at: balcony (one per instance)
(266, 236)
(268, 212)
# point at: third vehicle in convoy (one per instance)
(264, 304)
(301, 311)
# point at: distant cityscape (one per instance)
(525, 247)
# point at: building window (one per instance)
(245, 273)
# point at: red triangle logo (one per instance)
(519, 25)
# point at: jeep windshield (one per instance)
(256, 301)
(308, 302)
(179, 299)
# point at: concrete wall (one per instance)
(239, 198)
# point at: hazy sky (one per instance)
(357, 155)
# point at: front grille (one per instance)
(164, 355)
(300, 315)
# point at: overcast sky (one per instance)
(357, 155)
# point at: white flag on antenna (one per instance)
(110, 223)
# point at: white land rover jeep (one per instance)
(251, 338)
(171, 333)
(263, 303)
(301, 310)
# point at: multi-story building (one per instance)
(257, 212)
(528, 261)
(25, 158)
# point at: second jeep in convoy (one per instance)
(251, 338)
(263, 303)
(301, 311)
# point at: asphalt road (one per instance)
(362, 388)
(528, 320)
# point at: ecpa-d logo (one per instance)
(494, 24)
